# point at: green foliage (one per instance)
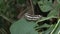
(27, 27)
(54, 12)
(49, 29)
(23, 27)
(45, 5)
(8, 11)
(56, 28)
(21, 1)
(58, 1)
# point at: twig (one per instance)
(32, 7)
(9, 20)
(23, 12)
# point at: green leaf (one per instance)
(44, 25)
(45, 5)
(54, 12)
(49, 29)
(58, 1)
(23, 27)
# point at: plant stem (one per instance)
(32, 7)
(46, 19)
(9, 20)
(55, 27)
